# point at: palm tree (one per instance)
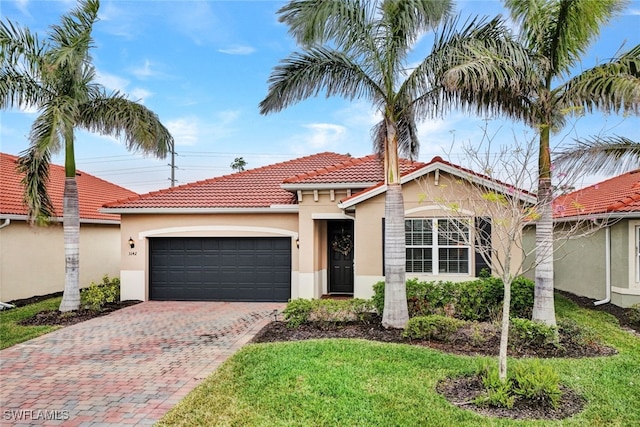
(559, 32)
(56, 76)
(359, 49)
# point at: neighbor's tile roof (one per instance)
(93, 192)
(254, 188)
(366, 170)
(616, 195)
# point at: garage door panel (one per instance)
(220, 269)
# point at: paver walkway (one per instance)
(126, 368)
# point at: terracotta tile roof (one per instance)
(254, 188)
(93, 192)
(615, 195)
(365, 170)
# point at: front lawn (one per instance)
(355, 382)
(11, 333)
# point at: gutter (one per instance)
(5, 223)
(607, 267)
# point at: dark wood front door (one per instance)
(340, 234)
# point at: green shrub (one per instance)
(522, 292)
(479, 299)
(297, 312)
(633, 313)
(97, 295)
(526, 333)
(434, 326)
(326, 311)
(497, 393)
(537, 382)
(532, 381)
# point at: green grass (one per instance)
(11, 333)
(360, 383)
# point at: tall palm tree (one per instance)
(359, 49)
(560, 31)
(56, 76)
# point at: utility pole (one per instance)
(173, 165)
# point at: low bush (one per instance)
(527, 333)
(434, 326)
(572, 331)
(634, 315)
(530, 381)
(326, 311)
(97, 295)
(479, 299)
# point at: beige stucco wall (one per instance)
(580, 268)
(134, 262)
(32, 258)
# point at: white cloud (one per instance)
(634, 12)
(23, 6)
(144, 71)
(111, 81)
(237, 50)
(320, 137)
(140, 95)
(192, 130)
(185, 131)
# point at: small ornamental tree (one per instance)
(488, 214)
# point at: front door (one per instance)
(340, 234)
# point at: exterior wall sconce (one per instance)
(132, 244)
(298, 243)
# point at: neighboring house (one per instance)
(605, 265)
(32, 258)
(297, 229)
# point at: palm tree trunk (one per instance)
(543, 304)
(71, 225)
(396, 313)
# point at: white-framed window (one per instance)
(436, 245)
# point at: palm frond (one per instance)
(306, 74)
(314, 22)
(611, 155)
(34, 164)
(20, 90)
(403, 21)
(562, 30)
(612, 87)
(480, 68)
(115, 115)
(20, 47)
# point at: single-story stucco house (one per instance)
(32, 258)
(297, 229)
(604, 265)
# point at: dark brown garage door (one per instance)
(220, 269)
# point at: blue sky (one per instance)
(203, 66)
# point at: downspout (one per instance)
(607, 267)
(5, 223)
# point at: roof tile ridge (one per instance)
(595, 186)
(352, 161)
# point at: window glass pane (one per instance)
(419, 260)
(453, 260)
(417, 232)
(452, 232)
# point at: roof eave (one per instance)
(208, 210)
(327, 186)
(367, 194)
(15, 217)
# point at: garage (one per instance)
(220, 269)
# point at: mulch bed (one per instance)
(462, 391)
(57, 318)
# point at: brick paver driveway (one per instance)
(127, 368)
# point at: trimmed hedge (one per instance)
(479, 299)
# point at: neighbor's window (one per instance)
(437, 245)
(638, 254)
